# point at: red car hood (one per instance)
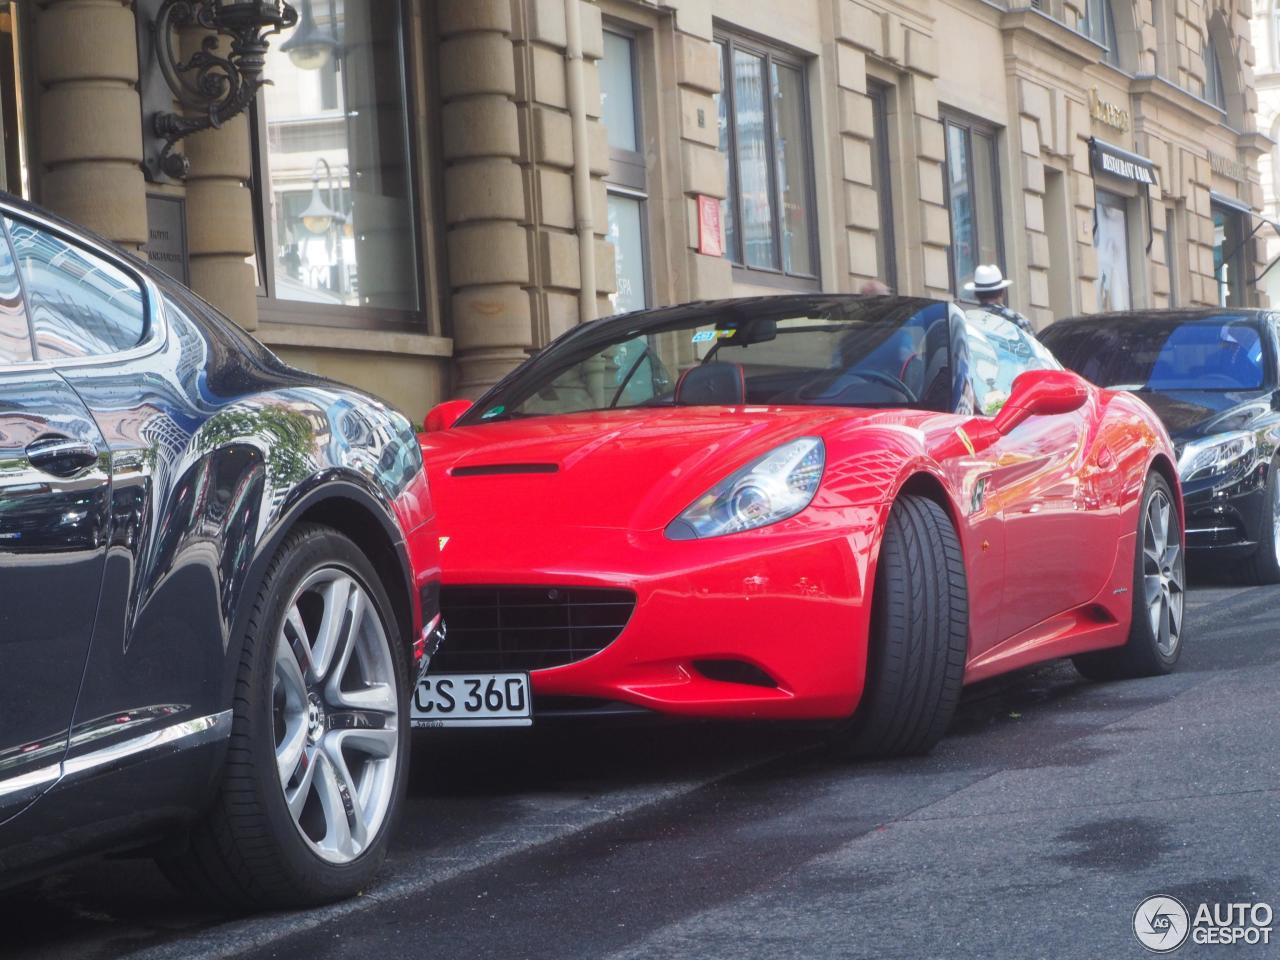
(632, 469)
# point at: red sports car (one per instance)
(808, 507)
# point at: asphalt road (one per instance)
(1053, 807)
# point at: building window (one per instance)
(1214, 90)
(1111, 240)
(13, 153)
(627, 181)
(880, 173)
(335, 181)
(1230, 255)
(972, 177)
(1099, 25)
(769, 220)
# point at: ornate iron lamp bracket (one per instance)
(210, 87)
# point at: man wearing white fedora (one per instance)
(988, 286)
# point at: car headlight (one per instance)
(1228, 453)
(770, 488)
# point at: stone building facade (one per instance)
(1266, 43)
(436, 188)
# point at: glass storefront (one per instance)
(1230, 264)
(338, 182)
(14, 176)
(1111, 240)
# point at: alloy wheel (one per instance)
(1163, 575)
(335, 709)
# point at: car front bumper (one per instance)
(1224, 518)
(767, 624)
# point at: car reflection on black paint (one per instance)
(203, 591)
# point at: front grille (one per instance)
(527, 628)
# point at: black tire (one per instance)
(1142, 654)
(1264, 566)
(919, 637)
(248, 853)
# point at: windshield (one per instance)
(1207, 353)
(872, 353)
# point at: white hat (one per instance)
(987, 278)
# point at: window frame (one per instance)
(879, 93)
(1104, 33)
(969, 123)
(1215, 88)
(628, 175)
(156, 329)
(420, 135)
(731, 40)
(1239, 256)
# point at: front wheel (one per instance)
(1159, 580)
(316, 766)
(1264, 566)
(919, 637)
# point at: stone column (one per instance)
(484, 193)
(220, 221)
(220, 232)
(90, 117)
(702, 166)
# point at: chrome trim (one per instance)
(1192, 531)
(433, 634)
(31, 784)
(177, 736)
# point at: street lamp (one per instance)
(310, 48)
(320, 217)
(212, 87)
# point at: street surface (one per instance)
(1053, 807)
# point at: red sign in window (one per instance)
(710, 239)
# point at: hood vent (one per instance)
(496, 469)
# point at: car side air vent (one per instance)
(496, 469)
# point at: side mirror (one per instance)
(1041, 393)
(445, 415)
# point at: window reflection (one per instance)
(340, 181)
(80, 305)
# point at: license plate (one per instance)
(472, 700)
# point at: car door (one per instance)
(54, 491)
(1038, 483)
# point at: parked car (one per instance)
(1211, 377)
(806, 507)
(217, 582)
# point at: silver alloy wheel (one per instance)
(336, 715)
(1162, 573)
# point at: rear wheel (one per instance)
(919, 636)
(315, 771)
(1264, 566)
(1159, 579)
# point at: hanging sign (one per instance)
(1116, 162)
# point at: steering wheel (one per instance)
(889, 380)
(815, 390)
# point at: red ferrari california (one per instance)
(806, 507)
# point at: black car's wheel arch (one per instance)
(347, 506)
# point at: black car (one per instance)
(1211, 376)
(210, 619)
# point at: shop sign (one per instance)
(1227, 167)
(1116, 162)
(1106, 112)
(166, 247)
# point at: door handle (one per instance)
(61, 456)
